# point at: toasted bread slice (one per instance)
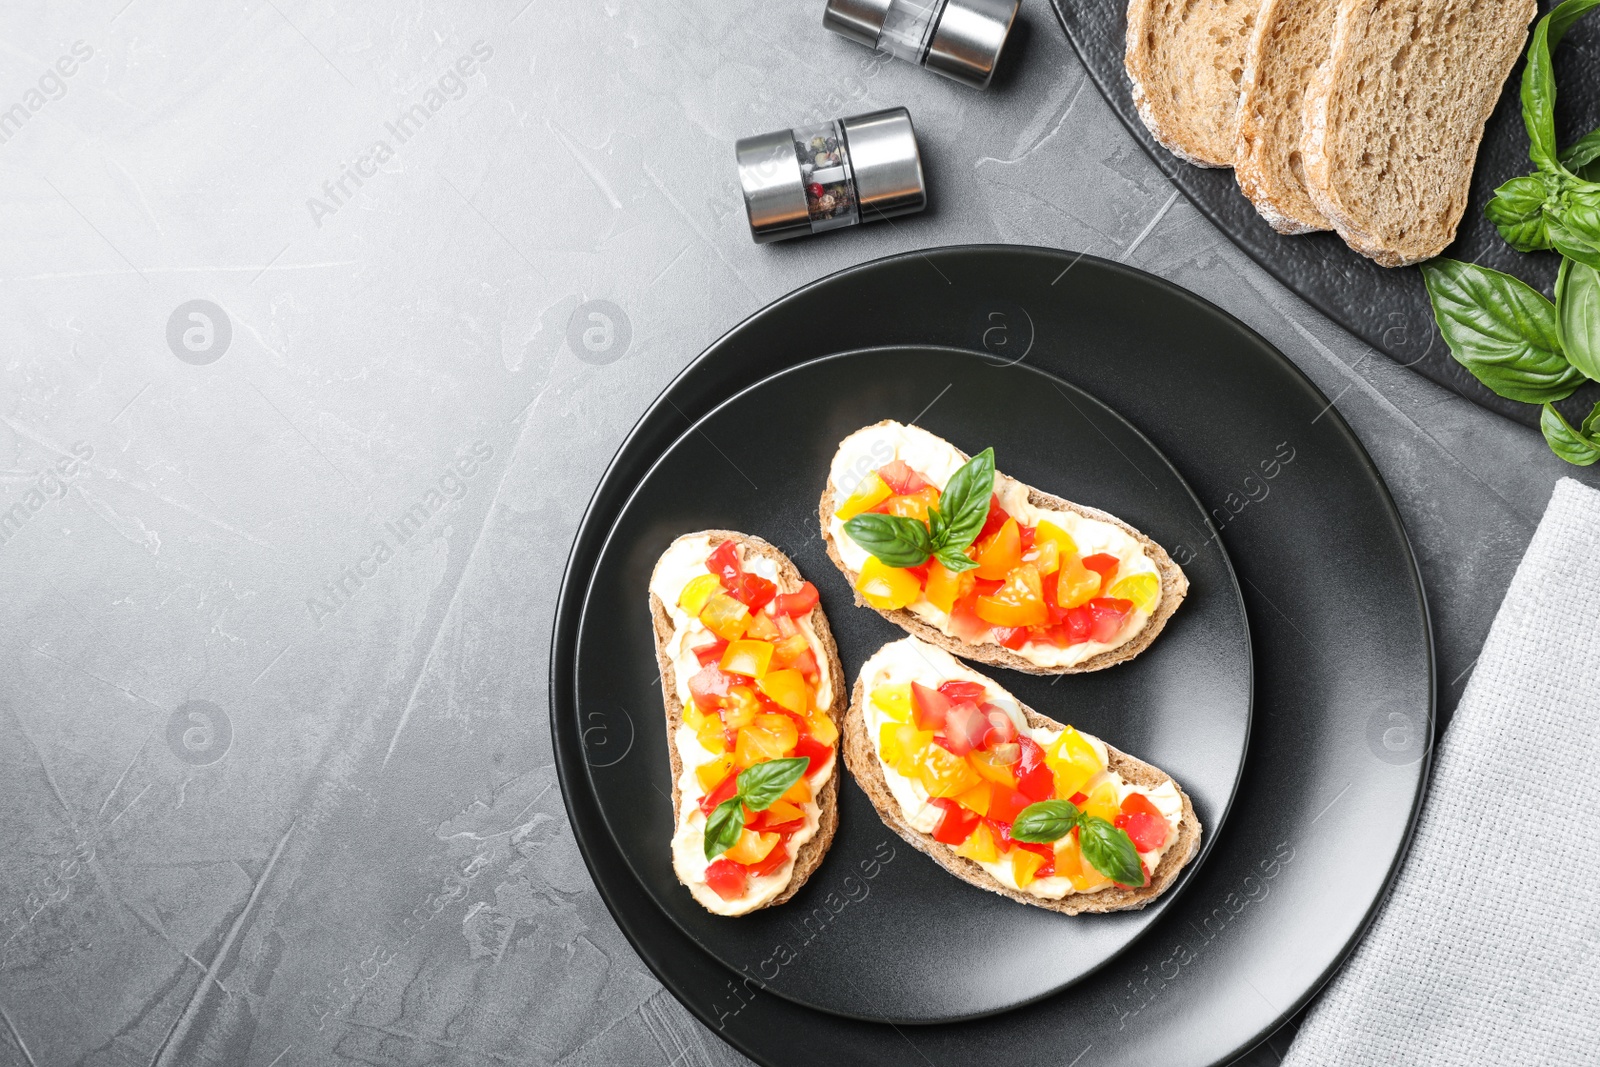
(1290, 41)
(1395, 116)
(861, 756)
(1185, 60)
(810, 854)
(1174, 587)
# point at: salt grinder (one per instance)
(960, 39)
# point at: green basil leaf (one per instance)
(1539, 81)
(1501, 330)
(1591, 425)
(724, 827)
(936, 527)
(1109, 851)
(896, 541)
(762, 783)
(1575, 233)
(1566, 442)
(965, 499)
(1581, 153)
(1517, 210)
(955, 560)
(1046, 821)
(1578, 315)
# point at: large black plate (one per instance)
(1386, 308)
(1344, 669)
(916, 945)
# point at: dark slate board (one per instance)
(1386, 308)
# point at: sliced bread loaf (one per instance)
(1185, 59)
(1395, 115)
(1289, 42)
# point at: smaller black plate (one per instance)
(880, 932)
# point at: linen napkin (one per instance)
(1488, 950)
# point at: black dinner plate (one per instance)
(913, 945)
(1387, 308)
(1343, 657)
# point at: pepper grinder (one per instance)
(960, 39)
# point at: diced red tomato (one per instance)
(1005, 803)
(920, 571)
(709, 686)
(727, 879)
(726, 789)
(813, 750)
(900, 478)
(928, 707)
(806, 664)
(1012, 637)
(1034, 779)
(711, 653)
(754, 591)
(1144, 822)
(1026, 535)
(996, 519)
(1049, 586)
(1078, 624)
(799, 602)
(1001, 730)
(965, 727)
(987, 586)
(763, 823)
(1105, 565)
(1079, 799)
(955, 823)
(964, 621)
(775, 859)
(958, 691)
(724, 563)
(1107, 616)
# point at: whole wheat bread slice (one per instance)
(810, 855)
(1395, 115)
(861, 757)
(1185, 60)
(1174, 587)
(1290, 41)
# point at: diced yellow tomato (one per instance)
(1001, 552)
(887, 588)
(990, 766)
(725, 616)
(1019, 602)
(749, 658)
(785, 688)
(1072, 761)
(914, 505)
(945, 587)
(782, 811)
(894, 701)
(693, 717)
(942, 773)
(799, 793)
(975, 799)
(821, 727)
(1103, 801)
(1143, 589)
(1046, 556)
(898, 742)
(869, 494)
(1048, 532)
(1077, 585)
(761, 627)
(1025, 866)
(697, 591)
(752, 847)
(741, 708)
(768, 737)
(710, 775)
(711, 736)
(980, 845)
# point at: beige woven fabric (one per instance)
(1488, 950)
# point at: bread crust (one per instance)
(1174, 587)
(789, 580)
(862, 759)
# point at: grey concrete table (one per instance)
(279, 566)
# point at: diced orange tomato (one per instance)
(749, 658)
(1006, 804)
(740, 707)
(1000, 553)
(1046, 556)
(945, 587)
(775, 859)
(1025, 866)
(786, 651)
(1019, 602)
(872, 491)
(996, 764)
(725, 616)
(761, 627)
(894, 701)
(1070, 862)
(982, 846)
(942, 773)
(697, 591)
(1076, 584)
(821, 727)
(710, 775)
(768, 737)
(799, 793)
(724, 791)
(912, 505)
(785, 688)
(887, 588)
(1102, 801)
(751, 847)
(976, 799)
(781, 811)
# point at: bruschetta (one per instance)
(754, 696)
(1005, 798)
(955, 553)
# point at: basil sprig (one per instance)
(900, 541)
(758, 786)
(1502, 330)
(1108, 848)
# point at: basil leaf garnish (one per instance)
(894, 539)
(1571, 445)
(762, 783)
(1517, 210)
(965, 499)
(1501, 330)
(1109, 851)
(955, 560)
(1046, 821)
(724, 827)
(1578, 315)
